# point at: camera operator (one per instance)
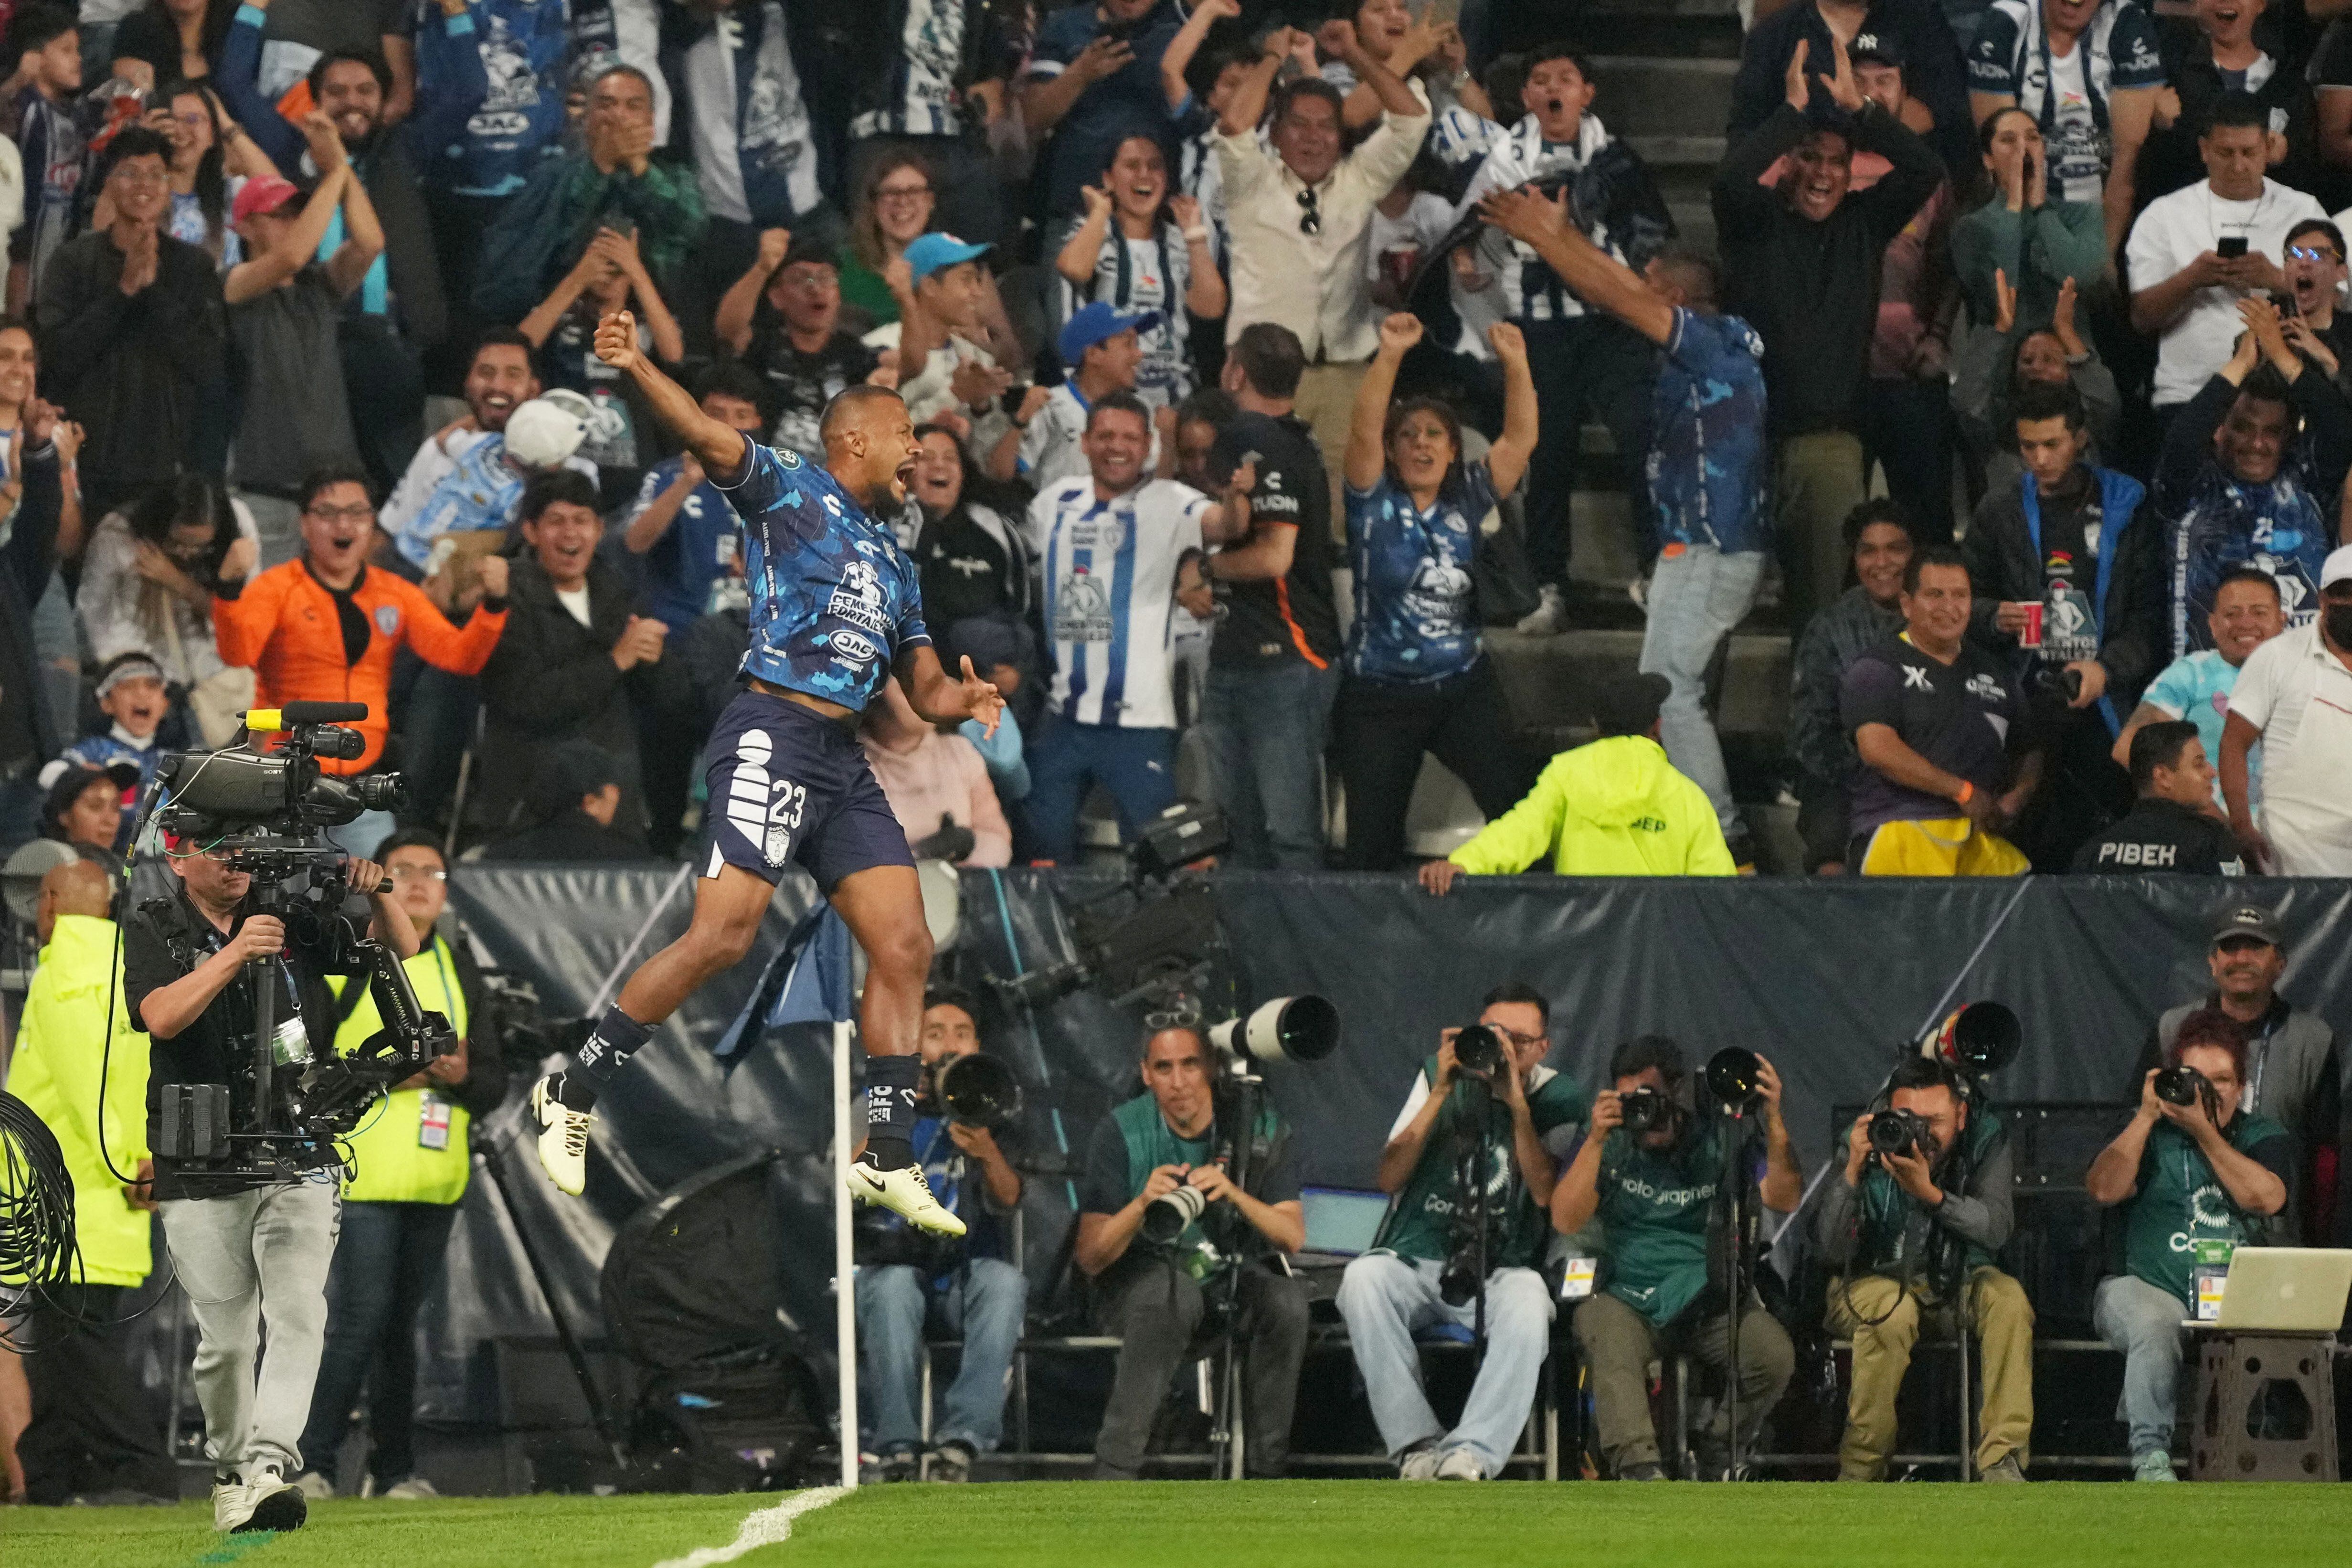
(1655, 1191)
(975, 1280)
(1522, 1117)
(247, 1250)
(2207, 1170)
(1155, 1296)
(1913, 1230)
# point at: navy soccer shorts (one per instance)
(788, 784)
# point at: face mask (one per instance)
(2338, 618)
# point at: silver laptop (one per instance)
(2285, 1290)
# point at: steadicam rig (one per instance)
(262, 808)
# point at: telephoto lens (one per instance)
(1734, 1075)
(1898, 1131)
(1478, 1048)
(2180, 1085)
(1166, 1216)
(1645, 1108)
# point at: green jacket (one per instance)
(55, 1070)
(1614, 808)
(1151, 1144)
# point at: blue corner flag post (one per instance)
(808, 982)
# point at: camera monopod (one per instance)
(1733, 1081)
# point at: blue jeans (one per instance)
(388, 1262)
(1137, 767)
(1697, 596)
(1266, 726)
(1386, 1299)
(2143, 1320)
(985, 1302)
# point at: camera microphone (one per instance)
(295, 715)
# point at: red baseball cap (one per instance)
(261, 194)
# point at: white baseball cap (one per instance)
(543, 432)
(2337, 567)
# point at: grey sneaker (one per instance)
(951, 1461)
(315, 1486)
(414, 1488)
(1652, 1471)
(1460, 1465)
(2153, 1466)
(1549, 617)
(1419, 1463)
(2005, 1468)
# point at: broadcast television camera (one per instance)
(263, 810)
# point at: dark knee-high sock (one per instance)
(890, 1086)
(608, 1049)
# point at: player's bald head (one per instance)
(860, 407)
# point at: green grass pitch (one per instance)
(1281, 1524)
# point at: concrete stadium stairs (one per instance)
(1664, 69)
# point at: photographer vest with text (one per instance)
(1420, 1223)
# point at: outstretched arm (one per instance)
(1590, 272)
(1508, 458)
(723, 449)
(1366, 453)
(939, 696)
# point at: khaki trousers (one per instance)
(1326, 402)
(1882, 1354)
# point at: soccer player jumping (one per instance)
(835, 611)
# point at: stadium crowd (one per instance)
(1251, 346)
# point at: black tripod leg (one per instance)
(488, 1157)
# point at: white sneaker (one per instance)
(1549, 617)
(903, 1192)
(1460, 1465)
(268, 1502)
(1421, 1465)
(410, 1490)
(315, 1486)
(563, 1140)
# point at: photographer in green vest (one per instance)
(1656, 1191)
(2198, 1174)
(1164, 1232)
(1504, 1127)
(410, 1162)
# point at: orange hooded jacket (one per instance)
(285, 627)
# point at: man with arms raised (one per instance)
(835, 611)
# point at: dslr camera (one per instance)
(2187, 1086)
(1900, 1133)
(263, 810)
(1644, 1110)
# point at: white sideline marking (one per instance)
(761, 1527)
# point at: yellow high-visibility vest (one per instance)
(393, 1151)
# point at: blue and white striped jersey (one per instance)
(1110, 596)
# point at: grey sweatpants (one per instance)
(253, 1257)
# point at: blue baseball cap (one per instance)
(931, 252)
(1096, 322)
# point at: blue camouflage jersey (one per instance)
(521, 120)
(2284, 527)
(1705, 461)
(834, 601)
(1416, 613)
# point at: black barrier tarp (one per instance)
(1825, 977)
